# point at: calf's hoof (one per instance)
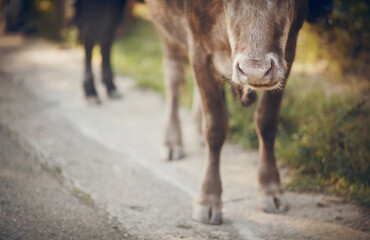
(207, 214)
(173, 152)
(114, 94)
(272, 200)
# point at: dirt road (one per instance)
(103, 163)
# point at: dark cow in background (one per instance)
(14, 14)
(97, 21)
(250, 42)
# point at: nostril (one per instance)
(242, 74)
(270, 70)
(240, 70)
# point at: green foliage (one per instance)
(348, 32)
(328, 141)
(39, 17)
(140, 55)
(83, 197)
(47, 20)
(241, 122)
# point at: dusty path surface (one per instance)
(37, 204)
(104, 160)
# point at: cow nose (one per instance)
(255, 72)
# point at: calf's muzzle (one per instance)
(257, 73)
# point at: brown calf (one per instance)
(250, 42)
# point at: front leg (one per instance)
(267, 120)
(197, 115)
(88, 83)
(105, 48)
(173, 63)
(207, 207)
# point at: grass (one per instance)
(326, 139)
(138, 54)
(324, 129)
(83, 197)
(58, 169)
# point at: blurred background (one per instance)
(324, 128)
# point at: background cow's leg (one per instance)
(267, 120)
(197, 114)
(105, 48)
(89, 87)
(174, 60)
(207, 207)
